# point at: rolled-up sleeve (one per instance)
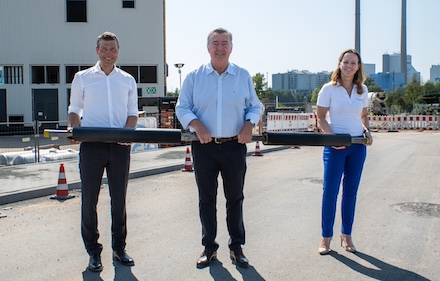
(76, 96)
(254, 107)
(132, 105)
(185, 103)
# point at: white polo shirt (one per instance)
(103, 100)
(344, 111)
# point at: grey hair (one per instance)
(219, 31)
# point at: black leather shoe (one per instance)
(238, 258)
(123, 258)
(95, 264)
(206, 257)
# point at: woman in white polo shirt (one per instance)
(342, 109)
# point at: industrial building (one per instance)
(45, 42)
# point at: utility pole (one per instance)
(403, 59)
(357, 33)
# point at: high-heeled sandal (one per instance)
(326, 249)
(344, 244)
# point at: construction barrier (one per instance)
(287, 122)
(409, 122)
(400, 122)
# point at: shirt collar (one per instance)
(230, 70)
(97, 69)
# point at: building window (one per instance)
(37, 74)
(127, 4)
(148, 74)
(142, 74)
(133, 70)
(11, 74)
(45, 74)
(68, 98)
(71, 70)
(53, 74)
(76, 10)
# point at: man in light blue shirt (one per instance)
(219, 104)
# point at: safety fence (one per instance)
(24, 143)
(287, 122)
(409, 122)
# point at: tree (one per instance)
(372, 85)
(173, 94)
(260, 85)
(315, 93)
(413, 94)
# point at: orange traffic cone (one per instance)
(257, 149)
(188, 164)
(62, 188)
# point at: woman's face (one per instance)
(349, 65)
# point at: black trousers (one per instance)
(115, 159)
(228, 159)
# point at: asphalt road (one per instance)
(396, 231)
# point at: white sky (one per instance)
(280, 35)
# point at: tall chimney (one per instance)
(403, 66)
(357, 32)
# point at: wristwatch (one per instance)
(250, 121)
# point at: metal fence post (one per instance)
(36, 141)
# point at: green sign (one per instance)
(151, 90)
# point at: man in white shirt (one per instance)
(104, 96)
(218, 102)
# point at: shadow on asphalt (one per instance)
(91, 276)
(122, 273)
(219, 273)
(385, 270)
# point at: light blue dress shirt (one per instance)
(221, 102)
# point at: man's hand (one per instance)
(202, 133)
(245, 134)
(70, 139)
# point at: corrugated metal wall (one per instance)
(37, 33)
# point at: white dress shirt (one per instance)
(221, 102)
(103, 100)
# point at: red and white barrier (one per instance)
(288, 122)
(410, 122)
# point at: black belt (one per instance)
(223, 140)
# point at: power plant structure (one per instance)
(403, 45)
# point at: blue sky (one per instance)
(280, 35)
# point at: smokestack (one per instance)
(357, 32)
(403, 68)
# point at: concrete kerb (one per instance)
(50, 189)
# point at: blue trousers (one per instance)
(93, 159)
(346, 164)
(228, 159)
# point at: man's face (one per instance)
(219, 47)
(107, 52)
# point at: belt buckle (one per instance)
(218, 140)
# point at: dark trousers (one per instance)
(228, 159)
(94, 158)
